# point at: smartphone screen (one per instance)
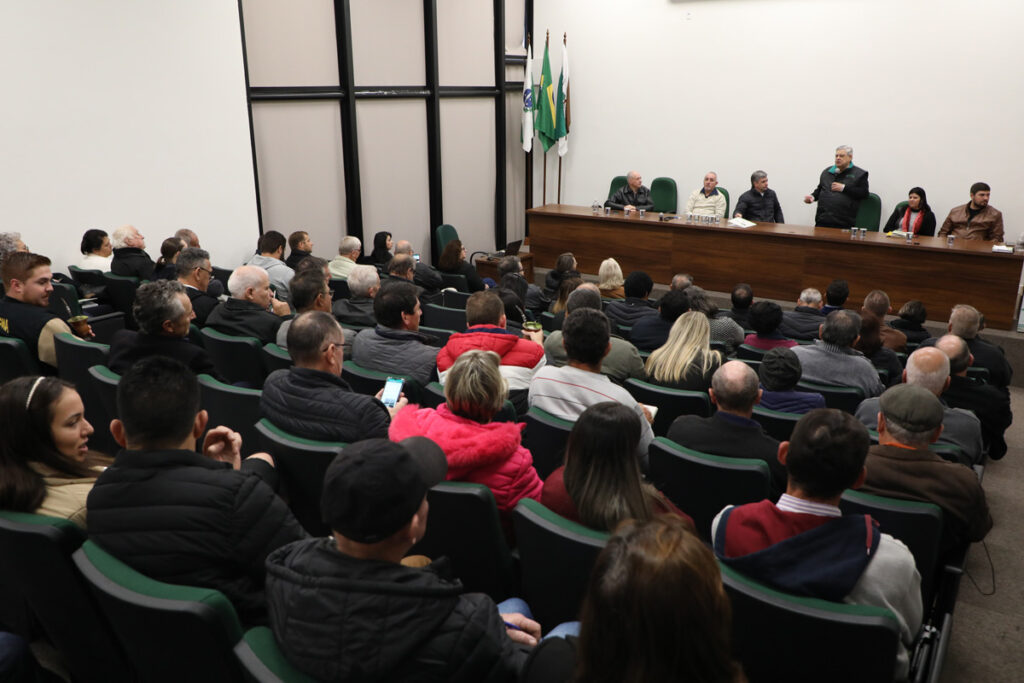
(392, 391)
(417, 257)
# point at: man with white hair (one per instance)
(804, 320)
(833, 360)
(425, 276)
(363, 283)
(928, 367)
(965, 322)
(632, 195)
(840, 190)
(252, 310)
(130, 258)
(348, 251)
(707, 200)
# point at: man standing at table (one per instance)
(839, 191)
(632, 195)
(975, 220)
(707, 201)
(759, 204)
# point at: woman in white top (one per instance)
(96, 251)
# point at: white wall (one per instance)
(928, 92)
(117, 111)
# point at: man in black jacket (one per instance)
(301, 245)
(196, 274)
(804, 320)
(252, 310)
(344, 608)
(311, 399)
(632, 195)
(130, 258)
(179, 516)
(965, 322)
(357, 310)
(989, 403)
(839, 192)
(638, 286)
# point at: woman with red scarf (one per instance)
(916, 216)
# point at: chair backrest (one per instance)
(545, 437)
(917, 524)
(262, 660)
(463, 525)
(444, 318)
(777, 423)
(84, 276)
(451, 299)
(121, 295)
(74, 358)
(728, 201)
(301, 464)
(339, 289)
(237, 359)
(869, 213)
(104, 382)
(547, 321)
(369, 382)
(979, 373)
(664, 194)
(64, 301)
(555, 556)
(617, 182)
(234, 407)
(442, 335)
(443, 234)
(671, 402)
(276, 358)
(433, 395)
(781, 637)
(16, 360)
(37, 569)
(221, 275)
(701, 484)
(169, 632)
(456, 280)
(838, 397)
(746, 351)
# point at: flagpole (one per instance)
(544, 156)
(560, 156)
(529, 155)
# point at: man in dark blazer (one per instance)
(196, 274)
(731, 432)
(965, 322)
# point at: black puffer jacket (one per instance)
(318, 405)
(179, 517)
(628, 311)
(132, 262)
(342, 619)
(839, 209)
(801, 323)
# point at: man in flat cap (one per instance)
(345, 607)
(901, 466)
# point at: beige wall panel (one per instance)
(514, 11)
(290, 43)
(467, 163)
(387, 42)
(515, 166)
(465, 42)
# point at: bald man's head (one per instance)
(734, 388)
(403, 247)
(957, 351)
(928, 367)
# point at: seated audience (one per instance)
(765, 318)
(911, 321)
(990, 404)
(196, 274)
(901, 466)
(567, 391)
(316, 264)
(344, 608)
(652, 331)
(928, 368)
(975, 220)
(96, 251)
(731, 432)
(779, 374)
(742, 298)
(130, 258)
(163, 313)
(301, 246)
(425, 276)
(46, 467)
(600, 484)
(270, 257)
(478, 449)
(515, 314)
(877, 302)
(636, 305)
(190, 237)
(610, 280)
(10, 242)
(786, 545)
(836, 294)
(870, 344)
(348, 253)
(681, 281)
(533, 298)
(309, 293)
(965, 322)
(565, 288)
(916, 217)
(686, 361)
(165, 268)
(804, 321)
(248, 312)
(357, 311)
(565, 266)
(381, 254)
(724, 330)
(310, 399)
(403, 267)
(656, 593)
(833, 360)
(196, 519)
(453, 261)
(485, 329)
(23, 309)
(395, 344)
(623, 360)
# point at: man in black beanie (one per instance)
(779, 373)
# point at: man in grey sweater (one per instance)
(833, 360)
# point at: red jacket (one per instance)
(491, 454)
(520, 357)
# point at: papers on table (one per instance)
(740, 223)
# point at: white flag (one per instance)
(528, 101)
(562, 126)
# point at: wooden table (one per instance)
(488, 267)
(779, 260)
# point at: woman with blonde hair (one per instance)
(610, 280)
(686, 361)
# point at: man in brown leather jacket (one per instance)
(975, 220)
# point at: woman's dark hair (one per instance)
(92, 240)
(514, 312)
(924, 198)
(28, 438)
(699, 301)
(517, 283)
(765, 317)
(565, 263)
(870, 333)
(656, 593)
(380, 253)
(914, 311)
(169, 248)
(451, 257)
(567, 287)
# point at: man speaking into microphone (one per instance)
(839, 192)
